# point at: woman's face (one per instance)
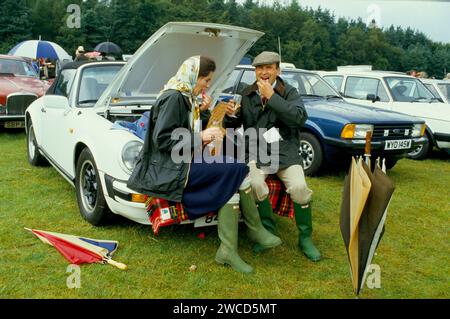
(203, 82)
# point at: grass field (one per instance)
(413, 254)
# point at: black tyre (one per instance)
(311, 153)
(423, 151)
(35, 158)
(390, 162)
(90, 198)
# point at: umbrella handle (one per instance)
(116, 264)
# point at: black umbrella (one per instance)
(365, 199)
(108, 47)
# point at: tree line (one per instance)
(311, 39)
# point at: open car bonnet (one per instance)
(158, 59)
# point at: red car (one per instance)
(19, 86)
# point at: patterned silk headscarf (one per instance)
(185, 81)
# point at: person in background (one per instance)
(79, 54)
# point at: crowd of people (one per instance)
(424, 75)
(82, 55)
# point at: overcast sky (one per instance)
(431, 17)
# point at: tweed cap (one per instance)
(266, 57)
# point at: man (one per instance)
(273, 105)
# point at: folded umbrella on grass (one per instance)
(79, 250)
(366, 196)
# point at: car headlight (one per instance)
(130, 153)
(2, 109)
(356, 130)
(418, 130)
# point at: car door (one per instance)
(358, 88)
(56, 125)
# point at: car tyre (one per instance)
(423, 151)
(390, 162)
(311, 153)
(90, 197)
(35, 158)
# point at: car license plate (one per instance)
(207, 220)
(397, 144)
(15, 124)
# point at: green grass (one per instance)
(413, 254)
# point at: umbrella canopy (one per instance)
(78, 250)
(108, 47)
(365, 198)
(36, 49)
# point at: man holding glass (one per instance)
(275, 107)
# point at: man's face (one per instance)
(267, 72)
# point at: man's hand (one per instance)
(230, 111)
(265, 88)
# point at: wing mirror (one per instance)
(55, 102)
(373, 98)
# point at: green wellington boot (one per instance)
(266, 215)
(227, 227)
(268, 221)
(256, 230)
(303, 219)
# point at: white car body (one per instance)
(62, 128)
(439, 88)
(435, 114)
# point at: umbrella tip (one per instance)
(27, 228)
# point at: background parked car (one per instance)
(400, 93)
(19, 87)
(336, 129)
(439, 88)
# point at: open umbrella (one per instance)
(78, 250)
(108, 47)
(365, 199)
(36, 49)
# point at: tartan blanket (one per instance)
(164, 213)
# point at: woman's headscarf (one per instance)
(185, 79)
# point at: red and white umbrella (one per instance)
(79, 250)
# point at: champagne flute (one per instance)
(237, 98)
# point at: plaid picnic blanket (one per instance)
(281, 201)
(164, 213)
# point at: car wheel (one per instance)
(35, 158)
(390, 162)
(90, 198)
(311, 153)
(421, 152)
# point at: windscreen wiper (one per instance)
(331, 96)
(87, 101)
(311, 95)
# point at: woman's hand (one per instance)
(206, 102)
(211, 134)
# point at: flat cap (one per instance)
(266, 57)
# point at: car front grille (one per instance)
(389, 132)
(16, 104)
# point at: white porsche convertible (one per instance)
(72, 126)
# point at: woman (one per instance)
(201, 187)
